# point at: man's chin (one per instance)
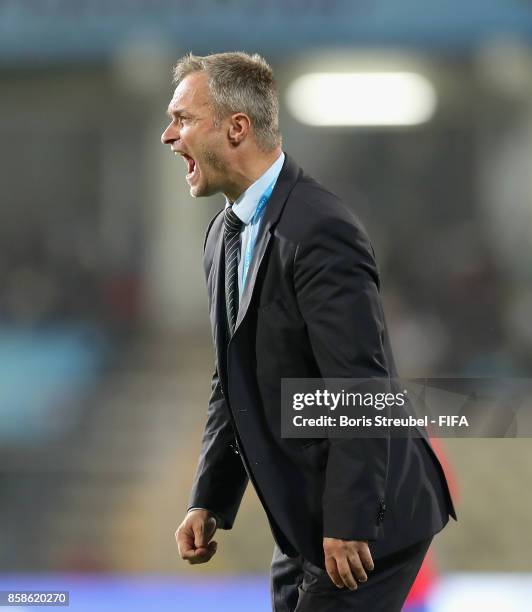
(196, 191)
(201, 191)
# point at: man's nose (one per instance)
(168, 136)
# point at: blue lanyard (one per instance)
(254, 227)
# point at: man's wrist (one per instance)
(213, 514)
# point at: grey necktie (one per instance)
(232, 228)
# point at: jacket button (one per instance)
(380, 512)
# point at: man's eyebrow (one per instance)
(177, 112)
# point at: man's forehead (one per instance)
(191, 92)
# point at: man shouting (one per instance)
(293, 293)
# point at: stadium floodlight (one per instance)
(361, 98)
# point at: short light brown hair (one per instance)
(239, 82)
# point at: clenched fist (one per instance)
(194, 535)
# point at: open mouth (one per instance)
(191, 166)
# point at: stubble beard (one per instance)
(210, 160)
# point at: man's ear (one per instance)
(239, 127)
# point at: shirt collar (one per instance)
(246, 204)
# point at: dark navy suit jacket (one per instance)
(310, 309)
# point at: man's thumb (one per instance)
(204, 531)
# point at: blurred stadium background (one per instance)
(105, 354)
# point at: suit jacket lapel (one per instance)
(286, 181)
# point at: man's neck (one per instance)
(248, 171)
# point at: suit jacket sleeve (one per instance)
(336, 282)
(220, 479)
